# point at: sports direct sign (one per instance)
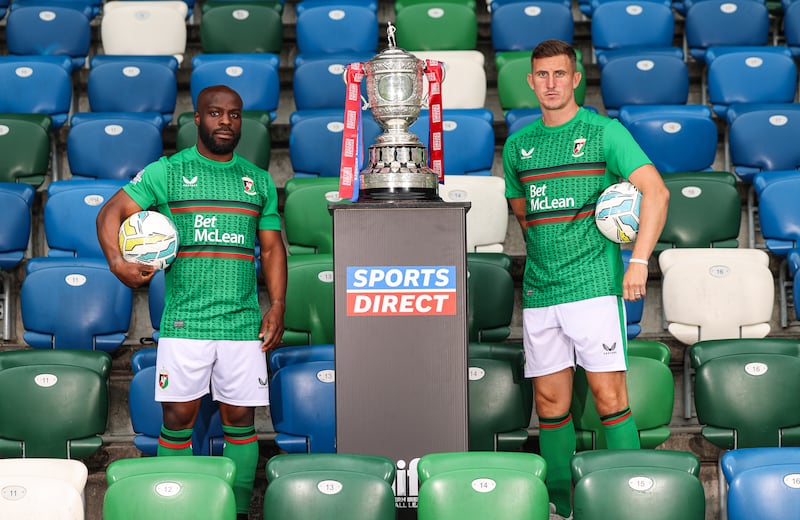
(401, 290)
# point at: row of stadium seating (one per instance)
(726, 370)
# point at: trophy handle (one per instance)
(424, 100)
(364, 101)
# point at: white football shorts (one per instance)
(235, 372)
(589, 332)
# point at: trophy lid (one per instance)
(393, 52)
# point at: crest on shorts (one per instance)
(163, 379)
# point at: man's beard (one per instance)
(217, 148)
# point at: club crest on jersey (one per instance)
(577, 147)
(526, 154)
(249, 185)
(163, 379)
(190, 182)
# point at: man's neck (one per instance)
(559, 116)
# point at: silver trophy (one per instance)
(398, 167)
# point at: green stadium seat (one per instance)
(235, 27)
(437, 26)
(24, 148)
(288, 463)
(437, 463)
(309, 300)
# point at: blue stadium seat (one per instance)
(734, 462)
(521, 26)
(779, 220)
(318, 81)
(622, 26)
(677, 138)
(791, 28)
(49, 30)
(468, 139)
(725, 22)
(315, 141)
(41, 85)
(634, 310)
(765, 492)
(133, 84)
(74, 304)
(749, 75)
(112, 145)
(302, 406)
(645, 79)
(336, 28)
(70, 214)
(761, 137)
(253, 76)
(16, 199)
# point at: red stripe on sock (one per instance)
(247, 440)
(550, 426)
(617, 420)
(174, 445)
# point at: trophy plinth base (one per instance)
(398, 194)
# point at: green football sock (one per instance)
(621, 432)
(557, 446)
(174, 442)
(241, 446)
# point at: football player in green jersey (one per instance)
(212, 330)
(573, 286)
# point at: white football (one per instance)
(149, 238)
(617, 212)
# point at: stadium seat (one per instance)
(355, 28)
(743, 389)
(255, 143)
(178, 487)
(677, 138)
(621, 26)
(490, 290)
(589, 6)
(315, 141)
(644, 79)
(134, 84)
(725, 22)
(71, 209)
(483, 492)
(715, 293)
(314, 494)
(74, 304)
(765, 492)
(60, 407)
(318, 81)
(288, 463)
(49, 30)
(634, 310)
(432, 464)
(437, 26)
(25, 148)
(487, 218)
(112, 145)
(631, 481)
(43, 488)
(735, 462)
(253, 75)
(144, 28)
(468, 140)
(778, 221)
(759, 140)
(308, 223)
(749, 75)
(705, 210)
(521, 26)
(241, 27)
(501, 398)
(17, 199)
(651, 392)
(400, 4)
(791, 28)
(464, 82)
(41, 85)
(309, 300)
(302, 406)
